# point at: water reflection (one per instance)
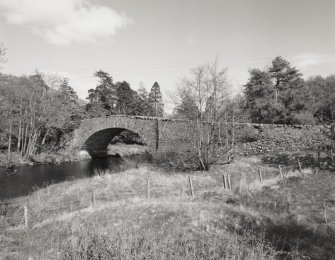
(27, 178)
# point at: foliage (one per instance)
(187, 108)
(156, 100)
(275, 95)
(3, 51)
(119, 98)
(204, 99)
(125, 104)
(320, 98)
(142, 101)
(103, 98)
(35, 115)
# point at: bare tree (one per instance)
(3, 52)
(208, 87)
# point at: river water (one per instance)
(27, 178)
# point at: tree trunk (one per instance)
(45, 136)
(233, 129)
(9, 144)
(20, 125)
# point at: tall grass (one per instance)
(254, 221)
(170, 242)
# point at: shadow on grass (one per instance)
(289, 237)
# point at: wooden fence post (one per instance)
(93, 198)
(224, 181)
(191, 185)
(281, 172)
(325, 213)
(148, 188)
(299, 164)
(260, 174)
(25, 208)
(229, 182)
(319, 157)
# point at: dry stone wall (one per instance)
(265, 138)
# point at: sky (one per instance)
(155, 40)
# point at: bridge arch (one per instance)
(94, 135)
(96, 145)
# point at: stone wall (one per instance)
(174, 138)
(168, 137)
(265, 138)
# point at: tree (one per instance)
(187, 108)
(260, 95)
(35, 114)
(125, 99)
(156, 101)
(3, 52)
(103, 98)
(319, 98)
(275, 95)
(204, 98)
(143, 102)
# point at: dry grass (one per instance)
(255, 221)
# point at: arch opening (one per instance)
(113, 142)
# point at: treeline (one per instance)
(119, 98)
(39, 112)
(33, 114)
(280, 95)
(276, 95)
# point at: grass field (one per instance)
(292, 218)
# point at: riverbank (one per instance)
(267, 220)
(122, 150)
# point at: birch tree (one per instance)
(208, 89)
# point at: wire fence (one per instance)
(17, 215)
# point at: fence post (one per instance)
(148, 188)
(191, 185)
(325, 213)
(299, 164)
(281, 172)
(224, 181)
(318, 156)
(25, 208)
(93, 198)
(229, 182)
(260, 174)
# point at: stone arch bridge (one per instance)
(163, 135)
(94, 135)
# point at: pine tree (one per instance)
(143, 104)
(125, 99)
(104, 95)
(156, 101)
(275, 95)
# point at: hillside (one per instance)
(276, 219)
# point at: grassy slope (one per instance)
(282, 219)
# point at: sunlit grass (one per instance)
(253, 221)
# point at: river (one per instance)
(27, 178)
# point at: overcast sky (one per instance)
(152, 40)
